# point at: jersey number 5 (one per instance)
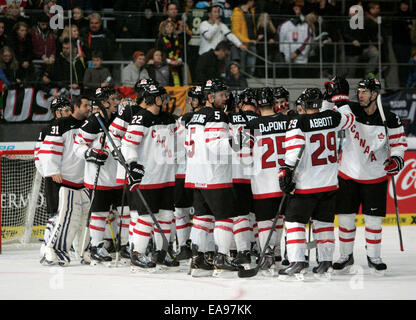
(328, 141)
(190, 142)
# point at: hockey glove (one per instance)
(332, 93)
(114, 153)
(135, 176)
(286, 179)
(96, 156)
(393, 165)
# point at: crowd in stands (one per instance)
(190, 41)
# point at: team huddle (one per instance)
(227, 182)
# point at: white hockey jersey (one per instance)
(41, 137)
(212, 34)
(208, 150)
(91, 135)
(317, 170)
(295, 38)
(268, 154)
(149, 141)
(56, 153)
(180, 144)
(241, 174)
(365, 147)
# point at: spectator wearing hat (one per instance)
(135, 70)
(235, 80)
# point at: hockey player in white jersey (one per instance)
(148, 147)
(311, 195)
(58, 161)
(209, 173)
(364, 172)
(60, 108)
(243, 224)
(90, 145)
(184, 196)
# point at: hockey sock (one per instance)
(125, 225)
(134, 215)
(142, 233)
(323, 232)
(242, 232)
(264, 228)
(97, 227)
(253, 226)
(183, 225)
(223, 234)
(164, 217)
(296, 241)
(211, 240)
(200, 231)
(279, 230)
(373, 235)
(346, 233)
(172, 229)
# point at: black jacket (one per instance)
(208, 67)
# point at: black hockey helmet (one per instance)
(280, 92)
(138, 87)
(151, 92)
(371, 84)
(248, 96)
(312, 98)
(264, 97)
(213, 85)
(58, 103)
(196, 93)
(104, 93)
(299, 100)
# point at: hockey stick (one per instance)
(122, 160)
(396, 205)
(118, 246)
(91, 201)
(248, 273)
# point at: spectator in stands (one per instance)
(359, 49)
(157, 67)
(4, 39)
(401, 39)
(12, 17)
(411, 79)
(172, 46)
(277, 9)
(172, 10)
(153, 15)
(270, 34)
(189, 4)
(78, 19)
(74, 37)
(60, 73)
(10, 67)
(21, 42)
(210, 64)
(295, 36)
(44, 44)
(243, 25)
(235, 80)
(97, 76)
(135, 70)
(213, 31)
(97, 38)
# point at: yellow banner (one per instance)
(178, 96)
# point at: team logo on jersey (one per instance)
(381, 136)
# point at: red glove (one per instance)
(393, 165)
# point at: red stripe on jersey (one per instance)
(398, 144)
(328, 229)
(134, 142)
(346, 123)
(118, 180)
(115, 125)
(50, 152)
(180, 176)
(395, 136)
(209, 186)
(90, 186)
(296, 146)
(242, 230)
(346, 230)
(295, 137)
(295, 241)
(86, 139)
(316, 190)
(371, 181)
(372, 230)
(212, 139)
(268, 195)
(296, 229)
(245, 181)
(60, 144)
(157, 185)
(72, 184)
(373, 241)
(137, 133)
(214, 129)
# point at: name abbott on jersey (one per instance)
(321, 122)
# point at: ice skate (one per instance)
(377, 266)
(185, 253)
(323, 271)
(294, 272)
(99, 255)
(267, 267)
(200, 267)
(243, 258)
(223, 267)
(165, 263)
(344, 264)
(141, 262)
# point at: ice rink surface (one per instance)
(23, 278)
